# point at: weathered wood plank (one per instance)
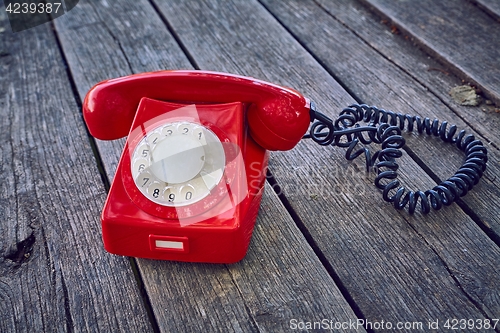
(346, 62)
(194, 297)
(409, 89)
(400, 50)
(459, 34)
(492, 7)
(279, 280)
(259, 47)
(54, 273)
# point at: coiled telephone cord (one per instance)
(384, 127)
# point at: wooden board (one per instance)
(399, 49)
(389, 266)
(54, 273)
(362, 69)
(344, 64)
(242, 37)
(410, 89)
(279, 280)
(457, 33)
(254, 295)
(492, 7)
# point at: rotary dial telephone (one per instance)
(190, 179)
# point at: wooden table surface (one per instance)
(326, 248)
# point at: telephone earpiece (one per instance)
(277, 117)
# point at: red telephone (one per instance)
(190, 179)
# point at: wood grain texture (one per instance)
(458, 33)
(491, 7)
(54, 274)
(375, 80)
(356, 57)
(400, 50)
(196, 297)
(409, 89)
(280, 279)
(397, 271)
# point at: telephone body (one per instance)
(191, 176)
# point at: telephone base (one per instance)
(220, 239)
(217, 228)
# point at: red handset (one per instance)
(190, 179)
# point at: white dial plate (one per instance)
(178, 164)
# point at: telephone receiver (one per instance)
(190, 179)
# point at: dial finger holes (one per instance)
(144, 151)
(187, 192)
(144, 180)
(170, 194)
(185, 128)
(140, 165)
(154, 138)
(178, 164)
(169, 130)
(155, 190)
(199, 134)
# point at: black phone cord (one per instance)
(384, 127)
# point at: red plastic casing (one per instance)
(252, 115)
